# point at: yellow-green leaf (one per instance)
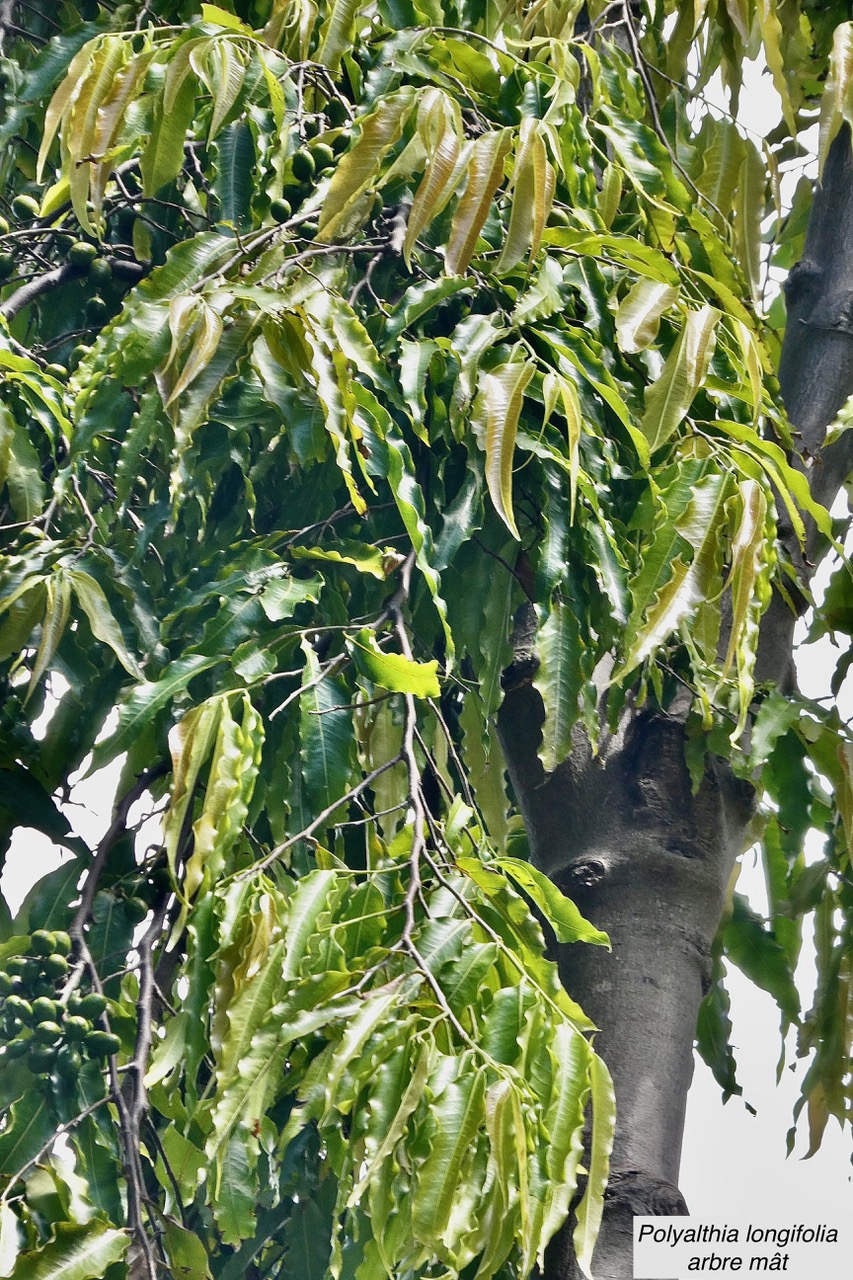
(561, 913)
(836, 105)
(639, 314)
(359, 168)
(485, 173)
(591, 1208)
(392, 670)
(532, 194)
(57, 608)
(62, 101)
(749, 208)
(669, 398)
(440, 129)
(495, 420)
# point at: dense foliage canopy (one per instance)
(382, 322)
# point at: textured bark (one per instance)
(622, 832)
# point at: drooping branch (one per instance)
(46, 282)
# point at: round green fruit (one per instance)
(6, 984)
(61, 938)
(43, 942)
(77, 1028)
(59, 372)
(25, 207)
(102, 1044)
(136, 909)
(18, 1047)
(96, 310)
(55, 966)
(44, 1009)
(7, 265)
(558, 217)
(100, 273)
(340, 143)
(77, 354)
(92, 1005)
(16, 966)
(47, 1032)
(280, 210)
(82, 254)
(302, 166)
(322, 155)
(19, 1008)
(336, 112)
(4, 227)
(68, 1062)
(40, 1059)
(311, 127)
(308, 230)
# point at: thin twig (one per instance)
(113, 833)
(306, 832)
(43, 1150)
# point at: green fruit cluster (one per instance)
(54, 1036)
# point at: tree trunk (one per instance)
(623, 835)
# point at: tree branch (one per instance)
(59, 276)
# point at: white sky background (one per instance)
(732, 1162)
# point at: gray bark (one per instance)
(623, 834)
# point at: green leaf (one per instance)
(377, 561)
(325, 735)
(560, 912)
(775, 716)
(235, 172)
(559, 679)
(669, 398)
(533, 184)
(749, 211)
(163, 157)
(679, 565)
(337, 33)
(28, 1126)
(495, 421)
(591, 1208)
(94, 604)
(27, 804)
(226, 72)
(757, 954)
(186, 1254)
(565, 1124)
(457, 1114)
(392, 670)
(713, 1035)
(309, 901)
(145, 701)
(20, 468)
(56, 613)
(75, 1253)
(230, 784)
